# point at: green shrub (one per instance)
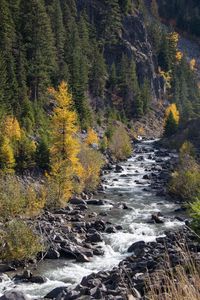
(185, 182)
(92, 162)
(120, 144)
(19, 242)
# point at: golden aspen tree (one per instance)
(65, 165)
(7, 160)
(11, 128)
(92, 137)
(172, 108)
(179, 56)
(192, 64)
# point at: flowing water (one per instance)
(120, 187)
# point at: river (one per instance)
(119, 187)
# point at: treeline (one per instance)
(45, 42)
(182, 13)
(179, 74)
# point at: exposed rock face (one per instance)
(137, 44)
(134, 42)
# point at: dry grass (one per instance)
(178, 283)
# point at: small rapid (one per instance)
(130, 187)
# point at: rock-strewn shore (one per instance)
(76, 233)
(131, 275)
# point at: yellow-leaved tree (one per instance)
(11, 128)
(92, 137)
(172, 108)
(171, 121)
(7, 159)
(65, 166)
(10, 134)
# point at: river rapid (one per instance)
(128, 187)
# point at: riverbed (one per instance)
(127, 186)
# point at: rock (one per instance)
(80, 257)
(27, 274)
(157, 219)
(77, 201)
(98, 251)
(38, 279)
(55, 292)
(136, 246)
(140, 158)
(99, 225)
(94, 238)
(52, 254)
(14, 295)
(146, 177)
(103, 213)
(95, 202)
(110, 229)
(118, 168)
(6, 268)
(119, 227)
(96, 293)
(125, 206)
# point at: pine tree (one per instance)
(111, 21)
(98, 74)
(3, 79)
(39, 46)
(125, 6)
(43, 155)
(7, 42)
(170, 125)
(56, 16)
(146, 95)
(113, 77)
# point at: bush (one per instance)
(17, 199)
(19, 242)
(120, 144)
(92, 161)
(185, 181)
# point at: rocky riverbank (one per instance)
(77, 233)
(130, 279)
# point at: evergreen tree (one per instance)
(7, 42)
(39, 46)
(125, 6)
(113, 77)
(170, 125)
(146, 95)
(98, 74)
(43, 155)
(111, 21)
(3, 79)
(56, 16)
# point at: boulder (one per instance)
(95, 202)
(77, 201)
(94, 238)
(137, 246)
(110, 229)
(6, 268)
(55, 292)
(38, 279)
(14, 295)
(80, 257)
(118, 168)
(157, 219)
